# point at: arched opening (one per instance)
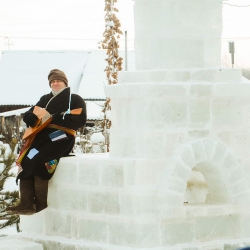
(197, 188)
(203, 171)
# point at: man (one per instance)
(41, 154)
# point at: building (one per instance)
(23, 77)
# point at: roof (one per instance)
(16, 112)
(94, 110)
(93, 80)
(23, 74)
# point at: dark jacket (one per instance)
(47, 152)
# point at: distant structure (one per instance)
(23, 77)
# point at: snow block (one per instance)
(177, 232)
(243, 197)
(186, 154)
(199, 151)
(134, 234)
(71, 163)
(68, 197)
(60, 225)
(144, 173)
(173, 183)
(112, 173)
(170, 198)
(103, 202)
(220, 153)
(139, 203)
(228, 89)
(224, 76)
(92, 230)
(13, 244)
(178, 169)
(215, 227)
(199, 112)
(34, 222)
(201, 90)
(226, 113)
(195, 211)
(91, 174)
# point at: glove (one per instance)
(57, 118)
(30, 119)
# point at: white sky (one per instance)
(79, 24)
(236, 22)
(79, 20)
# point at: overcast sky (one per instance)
(57, 24)
(236, 19)
(79, 24)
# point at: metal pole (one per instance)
(232, 51)
(8, 42)
(112, 5)
(126, 51)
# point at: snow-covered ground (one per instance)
(10, 185)
(7, 231)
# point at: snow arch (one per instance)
(223, 173)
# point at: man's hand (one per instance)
(30, 119)
(57, 118)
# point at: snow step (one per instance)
(13, 244)
(59, 243)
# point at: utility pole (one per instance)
(126, 51)
(8, 42)
(232, 51)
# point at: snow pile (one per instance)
(6, 147)
(97, 138)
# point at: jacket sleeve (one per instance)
(75, 121)
(41, 103)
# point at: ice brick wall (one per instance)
(177, 34)
(154, 113)
(132, 203)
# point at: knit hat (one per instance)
(56, 74)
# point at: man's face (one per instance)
(57, 85)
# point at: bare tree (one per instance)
(110, 42)
(114, 61)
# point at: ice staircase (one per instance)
(102, 203)
(14, 244)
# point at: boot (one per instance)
(27, 194)
(41, 192)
